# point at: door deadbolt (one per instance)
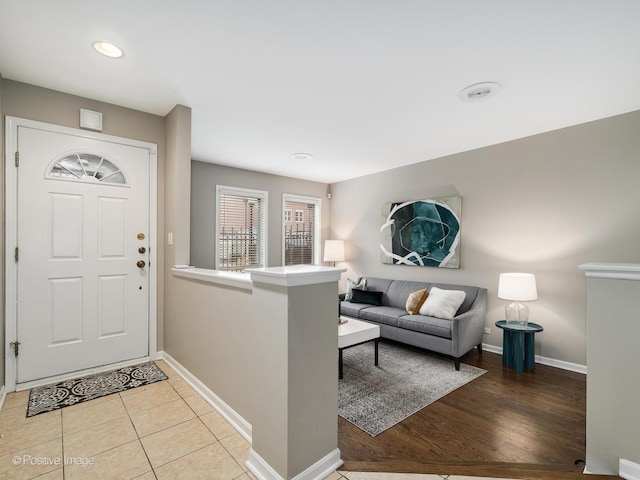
(142, 250)
(141, 264)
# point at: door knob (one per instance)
(141, 264)
(142, 250)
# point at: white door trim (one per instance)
(11, 210)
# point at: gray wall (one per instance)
(543, 204)
(36, 103)
(204, 179)
(2, 289)
(208, 330)
(613, 390)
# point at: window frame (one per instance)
(263, 195)
(317, 227)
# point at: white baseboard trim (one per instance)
(318, 471)
(3, 395)
(322, 468)
(629, 470)
(551, 362)
(229, 414)
(260, 468)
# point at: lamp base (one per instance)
(517, 313)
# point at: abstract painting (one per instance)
(425, 233)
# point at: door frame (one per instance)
(10, 238)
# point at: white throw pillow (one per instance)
(442, 303)
(361, 285)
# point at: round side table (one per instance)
(518, 344)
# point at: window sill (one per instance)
(230, 279)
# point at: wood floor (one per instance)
(527, 426)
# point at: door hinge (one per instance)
(16, 347)
(17, 254)
(17, 159)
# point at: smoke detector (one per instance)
(479, 91)
(301, 157)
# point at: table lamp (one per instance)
(520, 287)
(334, 251)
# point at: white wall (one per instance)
(543, 204)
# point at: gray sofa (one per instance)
(453, 337)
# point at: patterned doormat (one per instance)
(70, 392)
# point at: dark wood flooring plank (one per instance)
(506, 425)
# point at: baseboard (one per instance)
(629, 470)
(318, 471)
(3, 395)
(551, 362)
(260, 468)
(229, 414)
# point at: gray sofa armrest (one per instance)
(468, 328)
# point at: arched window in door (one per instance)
(87, 167)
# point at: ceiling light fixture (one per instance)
(301, 157)
(479, 91)
(108, 49)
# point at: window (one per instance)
(240, 228)
(301, 234)
(287, 214)
(86, 167)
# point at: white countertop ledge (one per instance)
(230, 279)
(296, 275)
(616, 271)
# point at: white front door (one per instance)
(83, 230)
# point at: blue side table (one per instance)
(518, 345)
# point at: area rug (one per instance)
(405, 381)
(63, 394)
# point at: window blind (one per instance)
(241, 229)
(300, 242)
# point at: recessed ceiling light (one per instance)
(108, 49)
(479, 91)
(301, 157)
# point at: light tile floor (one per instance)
(160, 431)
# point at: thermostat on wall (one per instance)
(90, 120)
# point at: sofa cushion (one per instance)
(471, 294)
(399, 292)
(439, 327)
(442, 303)
(360, 285)
(415, 301)
(380, 285)
(384, 315)
(352, 309)
(366, 296)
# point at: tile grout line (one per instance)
(138, 436)
(218, 440)
(153, 469)
(64, 473)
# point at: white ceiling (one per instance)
(363, 85)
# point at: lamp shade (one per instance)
(520, 287)
(334, 250)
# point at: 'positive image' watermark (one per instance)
(55, 461)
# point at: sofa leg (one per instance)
(456, 362)
(479, 347)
